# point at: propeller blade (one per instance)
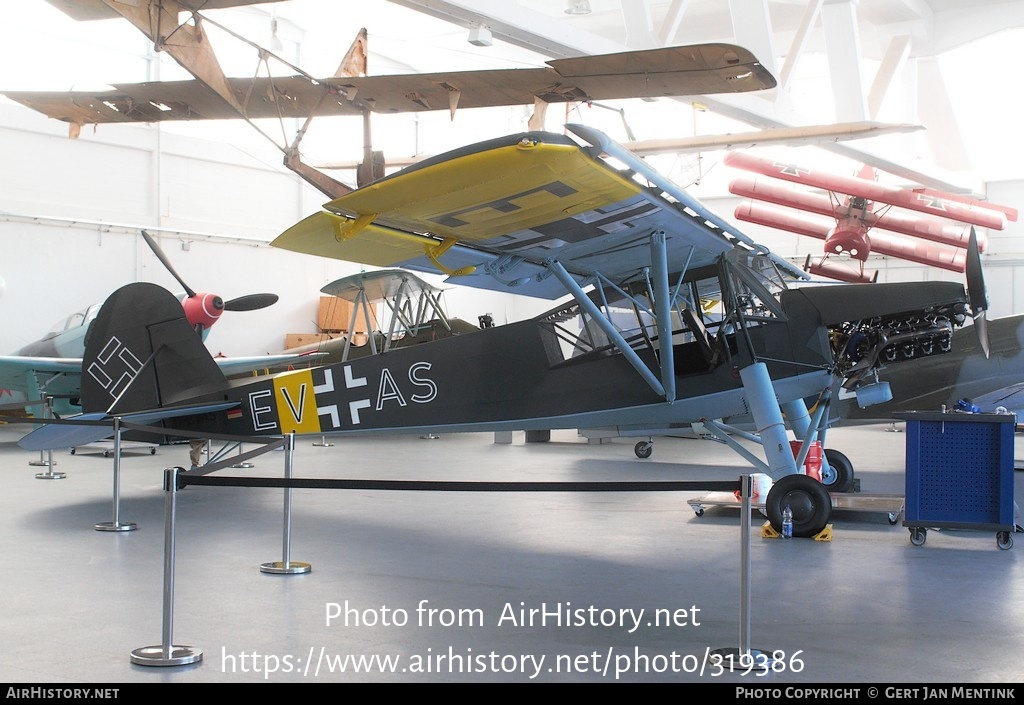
(166, 262)
(976, 292)
(250, 302)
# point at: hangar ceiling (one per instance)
(880, 55)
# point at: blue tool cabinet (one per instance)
(959, 470)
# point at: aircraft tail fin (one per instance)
(141, 353)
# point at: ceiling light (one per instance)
(480, 36)
(578, 7)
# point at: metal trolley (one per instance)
(959, 469)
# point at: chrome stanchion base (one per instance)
(290, 568)
(42, 463)
(430, 437)
(754, 660)
(51, 475)
(322, 443)
(116, 526)
(243, 465)
(160, 655)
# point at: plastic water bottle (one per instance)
(787, 522)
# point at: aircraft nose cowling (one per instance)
(849, 236)
(203, 310)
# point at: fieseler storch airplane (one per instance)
(52, 365)
(544, 215)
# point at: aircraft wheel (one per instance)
(643, 449)
(806, 497)
(839, 477)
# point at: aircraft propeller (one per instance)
(204, 309)
(976, 293)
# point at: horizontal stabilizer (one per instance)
(59, 435)
(68, 434)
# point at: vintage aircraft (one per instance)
(544, 215)
(668, 71)
(52, 365)
(852, 216)
(415, 312)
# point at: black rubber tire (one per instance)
(806, 497)
(839, 477)
(643, 449)
(1004, 540)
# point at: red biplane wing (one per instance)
(929, 201)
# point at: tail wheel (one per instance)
(807, 498)
(839, 476)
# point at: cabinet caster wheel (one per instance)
(918, 536)
(1004, 539)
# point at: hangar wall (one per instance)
(70, 212)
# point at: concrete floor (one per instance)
(866, 607)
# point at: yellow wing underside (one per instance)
(472, 198)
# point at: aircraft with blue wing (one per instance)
(577, 220)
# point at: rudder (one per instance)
(141, 353)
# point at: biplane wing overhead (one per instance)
(554, 200)
(672, 71)
(928, 201)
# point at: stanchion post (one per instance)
(242, 463)
(116, 524)
(286, 566)
(744, 658)
(49, 462)
(167, 653)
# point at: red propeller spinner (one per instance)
(203, 309)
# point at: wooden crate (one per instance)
(336, 314)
